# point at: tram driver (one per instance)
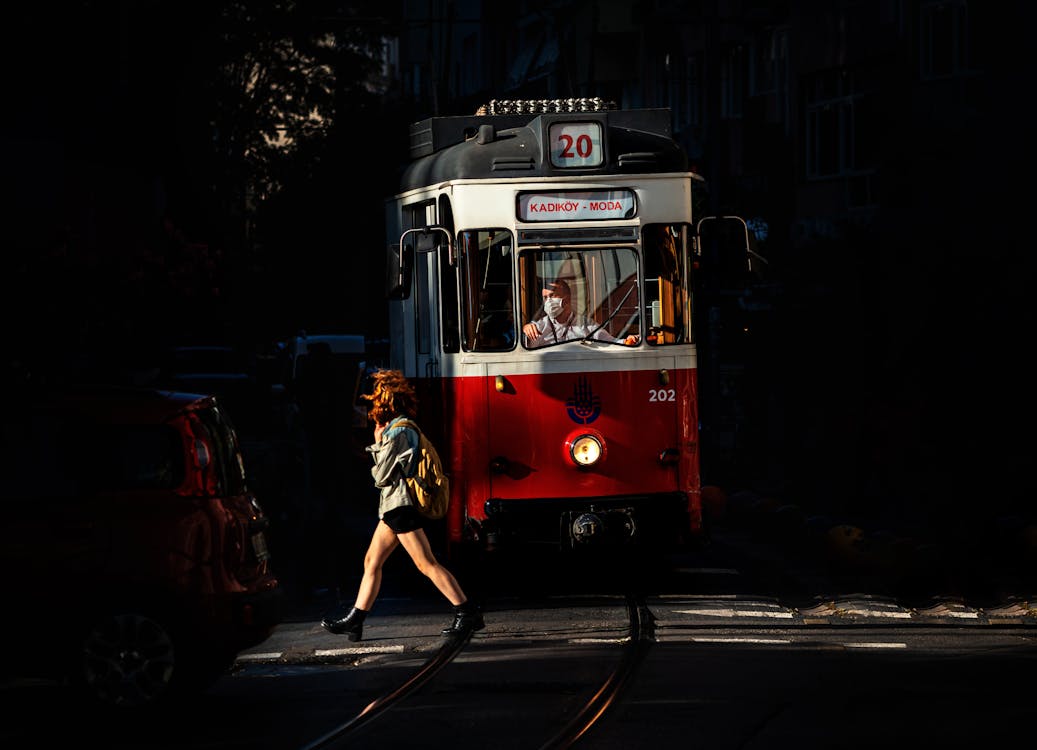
(561, 323)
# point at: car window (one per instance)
(137, 457)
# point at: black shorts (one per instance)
(403, 519)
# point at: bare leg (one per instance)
(417, 546)
(383, 542)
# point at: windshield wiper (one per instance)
(613, 314)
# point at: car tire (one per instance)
(126, 660)
(134, 659)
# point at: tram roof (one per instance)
(516, 146)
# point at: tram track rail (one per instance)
(603, 697)
(597, 693)
(446, 654)
(641, 636)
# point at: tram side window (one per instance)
(448, 285)
(487, 302)
(448, 295)
(667, 298)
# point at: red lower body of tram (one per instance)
(520, 448)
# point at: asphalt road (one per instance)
(749, 646)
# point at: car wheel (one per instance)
(128, 660)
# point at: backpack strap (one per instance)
(408, 423)
(414, 462)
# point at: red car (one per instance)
(135, 554)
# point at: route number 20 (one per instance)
(662, 394)
(583, 146)
(576, 144)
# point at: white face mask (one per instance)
(552, 306)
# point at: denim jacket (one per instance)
(394, 458)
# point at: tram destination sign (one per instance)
(569, 205)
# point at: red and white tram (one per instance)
(588, 434)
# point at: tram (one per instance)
(540, 276)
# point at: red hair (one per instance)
(393, 396)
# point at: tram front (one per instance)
(542, 301)
(583, 411)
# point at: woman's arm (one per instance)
(392, 456)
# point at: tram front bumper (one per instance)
(573, 523)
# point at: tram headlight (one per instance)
(585, 449)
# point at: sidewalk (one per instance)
(988, 562)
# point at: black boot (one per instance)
(467, 619)
(352, 625)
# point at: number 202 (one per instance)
(662, 394)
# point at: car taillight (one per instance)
(199, 476)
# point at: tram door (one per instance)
(489, 338)
(421, 287)
(426, 331)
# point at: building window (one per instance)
(665, 86)
(769, 71)
(732, 83)
(469, 81)
(840, 127)
(781, 78)
(763, 68)
(943, 42)
(416, 81)
(684, 92)
(692, 101)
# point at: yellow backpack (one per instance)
(429, 484)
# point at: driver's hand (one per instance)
(531, 331)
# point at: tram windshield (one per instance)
(580, 294)
(593, 293)
(576, 293)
